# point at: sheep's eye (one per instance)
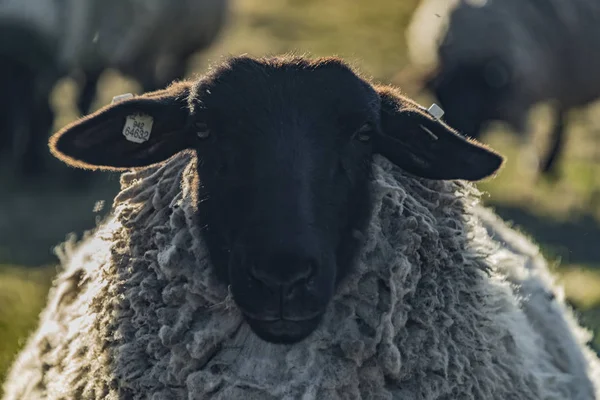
(202, 130)
(364, 133)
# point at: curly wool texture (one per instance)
(544, 304)
(427, 313)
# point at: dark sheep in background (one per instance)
(292, 231)
(28, 71)
(497, 59)
(42, 41)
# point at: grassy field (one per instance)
(22, 294)
(563, 217)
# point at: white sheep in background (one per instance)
(317, 240)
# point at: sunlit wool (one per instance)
(427, 313)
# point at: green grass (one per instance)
(582, 284)
(22, 295)
(563, 217)
(582, 289)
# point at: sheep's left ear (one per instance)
(426, 147)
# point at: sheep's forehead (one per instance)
(269, 86)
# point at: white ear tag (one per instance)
(435, 111)
(121, 97)
(138, 127)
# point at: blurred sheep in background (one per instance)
(42, 41)
(495, 60)
(150, 41)
(29, 70)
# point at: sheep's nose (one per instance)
(283, 270)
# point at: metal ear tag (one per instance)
(435, 111)
(121, 97)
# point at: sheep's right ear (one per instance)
(136, 132)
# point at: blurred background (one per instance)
(61, 60)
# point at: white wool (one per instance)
(428, 312)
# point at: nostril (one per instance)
(260, 275)
(283, 272)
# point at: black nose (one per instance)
(283, 270)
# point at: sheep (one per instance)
(495, 60)
(151, 41)
(28, 71)
(43, 41)
(544, 300)
(287, 229)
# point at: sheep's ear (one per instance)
(425, 146)
(135, 132)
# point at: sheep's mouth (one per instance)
(282, 331)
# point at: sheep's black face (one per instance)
(472, 95)
(284, 173)
(463, 107)
(284, 150)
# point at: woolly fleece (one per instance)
(427, 313)
(544, 304)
